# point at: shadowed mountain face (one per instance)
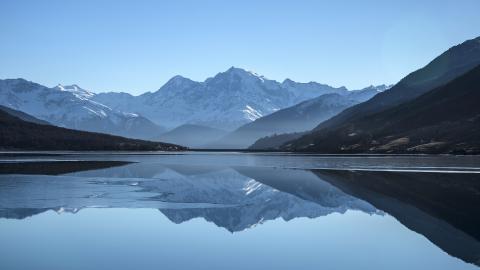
(23, 116)
(334, 134)
(18, 134)
(275, 141)
(442, 207)
(446, 67)
(444, 120)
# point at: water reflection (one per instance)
(442, 207)
(238, 196)
(55, 167)
(232, 198)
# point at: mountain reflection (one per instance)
(232, 198)
(256, 195)
(441, 206)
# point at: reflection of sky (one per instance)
(145, 239)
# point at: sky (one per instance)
(136, 46)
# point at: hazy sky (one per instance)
(136, 46)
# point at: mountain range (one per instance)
(430, 110)
(72, 107)
(444, 120)
(225, 101)
(297, 118)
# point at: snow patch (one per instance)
(251, 114)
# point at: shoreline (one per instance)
(16, 153)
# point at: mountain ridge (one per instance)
(71, 107)
(464, 57)
(451, 64)
(225, 101)
(17, 134)
(298, 118)
(443, 120)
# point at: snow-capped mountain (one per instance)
(225, 101)
(73, 107)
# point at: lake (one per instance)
(199, 210)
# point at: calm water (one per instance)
(239, 211)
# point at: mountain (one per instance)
(439, 206)
(451, 64)
(23, 116)
(189, 135)
(16, 134)
(225, 101)
(444, 120)
(298, 118)
(223, 196)
(273, 142)
(252, 196)
(73, 107)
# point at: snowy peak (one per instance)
(235, 74)
(76, 90)
(225, 101)
(290, 83)
(234, 71)
(368, 92)
(73, 107)
(378, 88)
(69, 88)
(305, 91)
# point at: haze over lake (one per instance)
(237, 210)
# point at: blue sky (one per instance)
(136, 46)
